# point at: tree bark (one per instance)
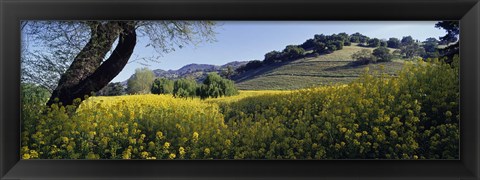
(87, 73)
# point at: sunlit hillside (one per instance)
(311, 71)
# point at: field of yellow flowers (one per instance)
(412, 116)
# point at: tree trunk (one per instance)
(87, 73)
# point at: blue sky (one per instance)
(249, 40)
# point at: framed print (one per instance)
(239, 89)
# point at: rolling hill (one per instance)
(325, 69)
(306, 72)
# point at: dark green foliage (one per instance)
(320, 37)
(184, 88)
(412, 50)
(112, 89)
(338, 44)
(383, 43)
(358, 38)
(450, 39)
(272, 57)
(292, 52)
(320, 44)
(375, 42)
(354, 39)
(162, 86)
(309, 44)
(393, 43)
(363, 56)
(319, 47)
(212, 86)
(452, 28)
(343, 37)
(216, 86)
(325, 44)
(382, 54)
(254, 64)
(331, 48)
(407, 41)
(430, 45)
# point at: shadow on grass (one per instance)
(268, 68)
(265, 69)
(350, 65)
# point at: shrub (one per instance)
(393, 43)
(292, 52)
(331, 48)
(216, 86)
(382, 54)
(162, 86)
(412, 50)
(358, 38)
(407, 41)
(272, 57)
(363, 56)
(374, 42)
(383, 43)
(184, 88)
(338, 44)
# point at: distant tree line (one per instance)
(213, 86)
(407, 47)
(144, 82)
(320, 44)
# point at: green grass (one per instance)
(306, 72)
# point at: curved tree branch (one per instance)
(87, 73)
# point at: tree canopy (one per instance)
(215, 86)
(382, 54)
(75, 58)
(393, 43)
(162, 86)
(450, 39)
(141, 82)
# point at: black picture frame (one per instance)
(13, 11)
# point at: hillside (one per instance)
(306, 72)
(330, 68)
